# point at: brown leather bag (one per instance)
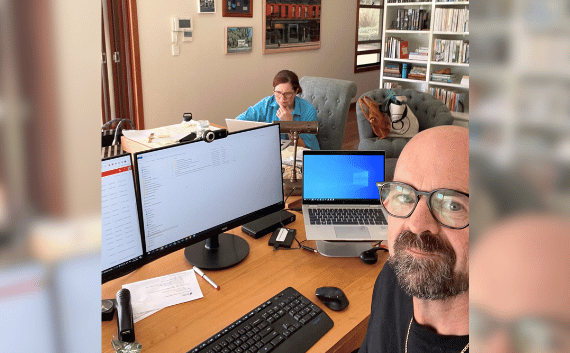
(378, 121)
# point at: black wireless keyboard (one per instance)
(286, 323)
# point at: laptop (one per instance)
(238, 125)
(340, 197)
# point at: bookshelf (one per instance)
(437, 38)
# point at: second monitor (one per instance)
(191, 193)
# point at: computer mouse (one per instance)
(332, 297)
(369, 256)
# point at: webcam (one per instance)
(211, 135)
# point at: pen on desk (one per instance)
(201, 274)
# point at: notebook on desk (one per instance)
(340, 197)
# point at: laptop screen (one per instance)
(342, 176)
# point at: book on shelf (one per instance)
(389, 74)
(465, 80)
(403, 49)
(418, 56)
(443, 78)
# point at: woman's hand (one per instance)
(285, 114)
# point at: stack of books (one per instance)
(449, 78)
(419, 54)
(451, 51)
(417, 73)
(392, 70)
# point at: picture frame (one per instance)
(206, 6)
(238, 39)
(237, 8)
(291, 26)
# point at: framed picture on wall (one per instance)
(238, 39)
(206, 6)
(291, 25)
(237, 8)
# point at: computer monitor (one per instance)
(122, 246)
(191, 193)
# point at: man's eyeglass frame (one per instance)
(428, 196)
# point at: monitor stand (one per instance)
(217, 252)
(343, 248)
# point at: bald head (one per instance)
(436, 156)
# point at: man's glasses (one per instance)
(286, 94)
(450, 208)
(526, 335)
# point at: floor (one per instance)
(350, 141)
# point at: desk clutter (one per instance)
(285, 323)
(168, 135)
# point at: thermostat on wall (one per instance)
(181, 23)
(187, 36)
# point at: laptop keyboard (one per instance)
(346, 216)
(286, 323)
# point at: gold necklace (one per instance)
(408, 335)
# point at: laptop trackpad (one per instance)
(360, 232)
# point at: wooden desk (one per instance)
(261, 275)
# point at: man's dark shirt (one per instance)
(391, 313)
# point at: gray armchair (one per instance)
(331, 98)
(430, 112)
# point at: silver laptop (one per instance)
(340, 197)
(238, 125)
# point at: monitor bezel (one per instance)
(118, 270)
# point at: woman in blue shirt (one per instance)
(284, 105)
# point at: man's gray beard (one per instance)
(430, 277)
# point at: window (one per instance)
(368, 48)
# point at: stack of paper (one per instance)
(151, 295)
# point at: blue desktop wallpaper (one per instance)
(342, 176)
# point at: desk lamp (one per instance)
(295, 128)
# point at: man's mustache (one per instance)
(425, 242)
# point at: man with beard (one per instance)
(421, 297)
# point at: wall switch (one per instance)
(175, 49)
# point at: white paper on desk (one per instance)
(141, 315)
(287, 155)
(157, 293)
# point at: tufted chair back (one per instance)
(331, 98)
(430, 112)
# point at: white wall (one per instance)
(215, 86)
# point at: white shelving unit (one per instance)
(426, 38)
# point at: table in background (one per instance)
(260, 276)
